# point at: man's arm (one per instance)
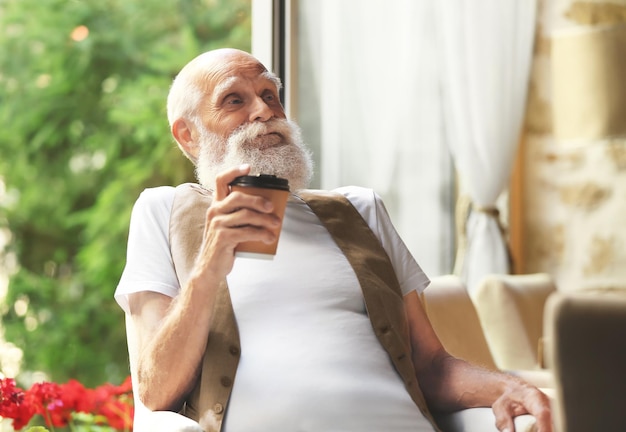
(172, 333)
(171, 336)
(451, 384)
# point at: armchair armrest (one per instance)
(164, 421)
(480, 420)
(468, 420)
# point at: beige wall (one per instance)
(573, 157)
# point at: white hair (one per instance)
(292, 160)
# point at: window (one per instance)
(361, 78)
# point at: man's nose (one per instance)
(260, 111)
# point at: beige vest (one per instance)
(383, 298)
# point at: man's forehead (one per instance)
(228, 82)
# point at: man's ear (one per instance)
(182, 131)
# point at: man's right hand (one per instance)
(232, 218)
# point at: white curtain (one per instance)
(486, 49)
(369, 94)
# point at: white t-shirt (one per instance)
(310, 360)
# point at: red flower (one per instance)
(115, 403)
(76, 396)
(47, 398)
(12, 404)
(10, 397)
(56, 403)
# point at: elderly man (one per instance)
(316, 339)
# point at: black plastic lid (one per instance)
(266, 181)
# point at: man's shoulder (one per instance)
(191, 195)
(362, 198)
(158, 195)
(189, 186)
(155, 196)
(160, 199)
(349, 192)
(184, 189)
(154, 203)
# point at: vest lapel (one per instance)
(207, 402)
(381, 290)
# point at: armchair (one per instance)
(455, 320)
(451, 311)
(586, 349)
(511, 309)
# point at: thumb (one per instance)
(225, 178)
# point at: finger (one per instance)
(505, 424)
(504, 413)
(532, 401)
(544, 420)
(250, 233)
(540, 409)
(242, 217)
(230, 219)
(237, 201)
(225, 178)
(224, 232)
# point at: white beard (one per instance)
(282, 153)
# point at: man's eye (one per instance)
(233, 100)
(268, 97)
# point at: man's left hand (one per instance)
(521, 399)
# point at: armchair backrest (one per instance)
(586, 350)
(454, 318)
(511, 309)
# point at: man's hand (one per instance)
(521, 398)
(233, 218)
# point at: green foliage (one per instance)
(83, 130)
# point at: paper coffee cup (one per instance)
(276, 190)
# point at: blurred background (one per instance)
(83, 131)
